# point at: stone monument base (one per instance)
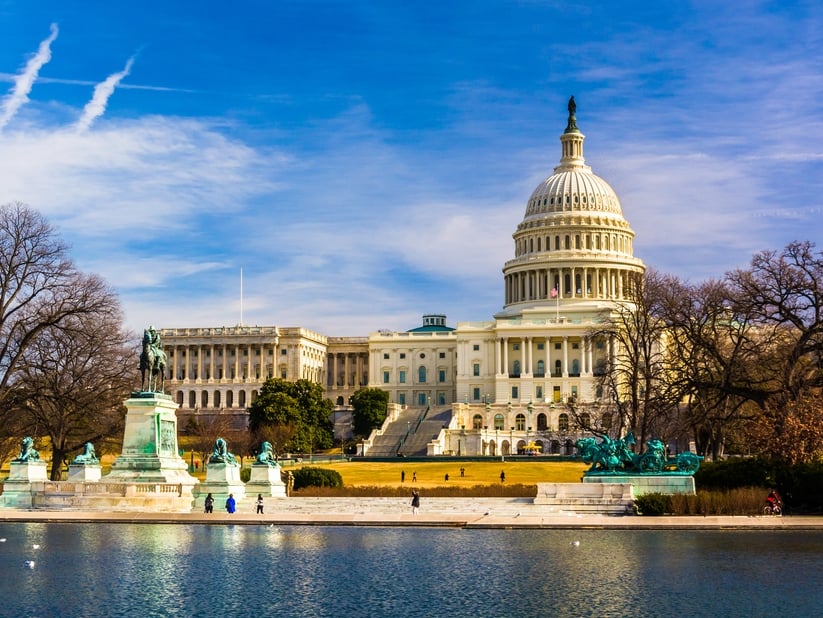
(222, 479)
(25, 478)
(648, 483)
(266, 480)
(150, 452)
(84, 473)
(613, 498)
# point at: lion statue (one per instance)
(266, 455)
(27, 451)
(88, 455)
(221, 454)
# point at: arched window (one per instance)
(421, 375)
(229, 399)
(563, 422)
(241, 399)
(520, 422)
(204, 399)
(477, 422)
(516, 368)
(558, 369)
(576, 366)
(192, 399)
(498, 421)
(542, 422)
(541, 368)
(216, 399)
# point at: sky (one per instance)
(363, 163)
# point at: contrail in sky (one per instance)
(102, 92)
(24, 81)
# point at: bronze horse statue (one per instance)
(152, 363)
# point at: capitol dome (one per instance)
(573, 246)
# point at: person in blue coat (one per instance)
(231, 505)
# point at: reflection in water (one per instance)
(190, 570)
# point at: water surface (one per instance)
(237, 570)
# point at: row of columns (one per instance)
(527, 355)
(180, 359)
(584, 283)
(352, 367)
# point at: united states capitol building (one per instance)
(478, 388)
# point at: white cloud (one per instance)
(102, 93)
(24, 81)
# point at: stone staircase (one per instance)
(433, 423)
(386, 443)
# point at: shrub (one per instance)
(316, 477)
(653, 504)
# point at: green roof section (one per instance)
(432, 323)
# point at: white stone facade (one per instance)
(509, 380)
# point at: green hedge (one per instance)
(653, 504)
(316, 477)
(798, 484)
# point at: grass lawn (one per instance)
(433, 474)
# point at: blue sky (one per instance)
(366, 162)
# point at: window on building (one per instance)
(516, 368)
(557, 346)
(515, 346)
(542, 422)
(421, 375)
(441, 375)
(385, 355)
(386, 376)
(476, 393)
(563, 422)
(477, 422)
(441, 398)
(515, 393)
(541, 368)
(538, 392)
(401, 398)
(476, 369)
(402, 376)
(476, 347)
(520, 422)
(442, 355)
(498, 421)
(541, 345)
(421, 399)
(283, 352)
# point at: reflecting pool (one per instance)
(152, 570)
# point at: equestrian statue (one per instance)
(152, 362)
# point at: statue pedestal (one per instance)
(18, 488)
(84, 473)
(222, 479)
(648, 483)
(266, 480)
(150, 452)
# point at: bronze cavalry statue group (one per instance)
(616, 456)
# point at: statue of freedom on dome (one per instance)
(572, 106)
(571, 127)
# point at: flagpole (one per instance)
(241, 297)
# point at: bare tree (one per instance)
(206, 429)
(638, 378)
(40, 289)
(73, 378)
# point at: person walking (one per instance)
(414, 477)
(259, 504)
(231, 504)
(415, 503)
(209, 503)
(402, 476)
(502, 476)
